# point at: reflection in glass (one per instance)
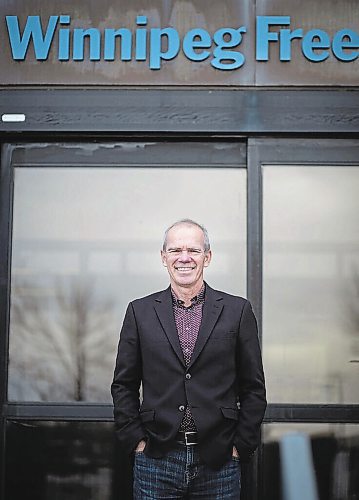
(86, 242)
(65, 461)
(311, 283)
(335, 449)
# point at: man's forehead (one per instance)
(185, 231)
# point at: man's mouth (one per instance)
(184, 269)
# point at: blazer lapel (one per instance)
(164, 311)
(212, 308)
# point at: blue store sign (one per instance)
(156, 45)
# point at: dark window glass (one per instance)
(65, 461)
(86, 241)
(311, 283)
(335, 455)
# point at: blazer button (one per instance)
(188, 376)
(181, 408)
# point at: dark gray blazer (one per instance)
(225, 389)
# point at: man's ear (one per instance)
(163, 258)
(207, 258)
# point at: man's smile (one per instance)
(183, 269)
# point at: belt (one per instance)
(188, 438)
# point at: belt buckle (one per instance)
(188, 443)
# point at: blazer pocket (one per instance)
(231, 413)
(147, 415)
(226, 335)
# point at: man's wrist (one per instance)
(141, 445)
(235, 452)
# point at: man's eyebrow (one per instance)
(196, 249)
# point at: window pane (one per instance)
(85, 242)
(311, 283)
(65, 461)
(335, 450)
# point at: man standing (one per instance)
(197, 354)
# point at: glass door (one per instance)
(308, 206)
(85, 233)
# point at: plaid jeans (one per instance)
(181, 475)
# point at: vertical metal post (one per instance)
(6, 189)
(254, 264)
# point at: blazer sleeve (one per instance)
(126, 384)
(251, 385)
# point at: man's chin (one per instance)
(185, 277)
(185, 281)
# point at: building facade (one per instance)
(117, 120)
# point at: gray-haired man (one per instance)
(196, 352)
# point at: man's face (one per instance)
(184, 256)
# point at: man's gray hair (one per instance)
(188, 222)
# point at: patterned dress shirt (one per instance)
(188, 321)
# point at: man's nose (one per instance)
(184, 257)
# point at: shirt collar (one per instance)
(197, 299)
